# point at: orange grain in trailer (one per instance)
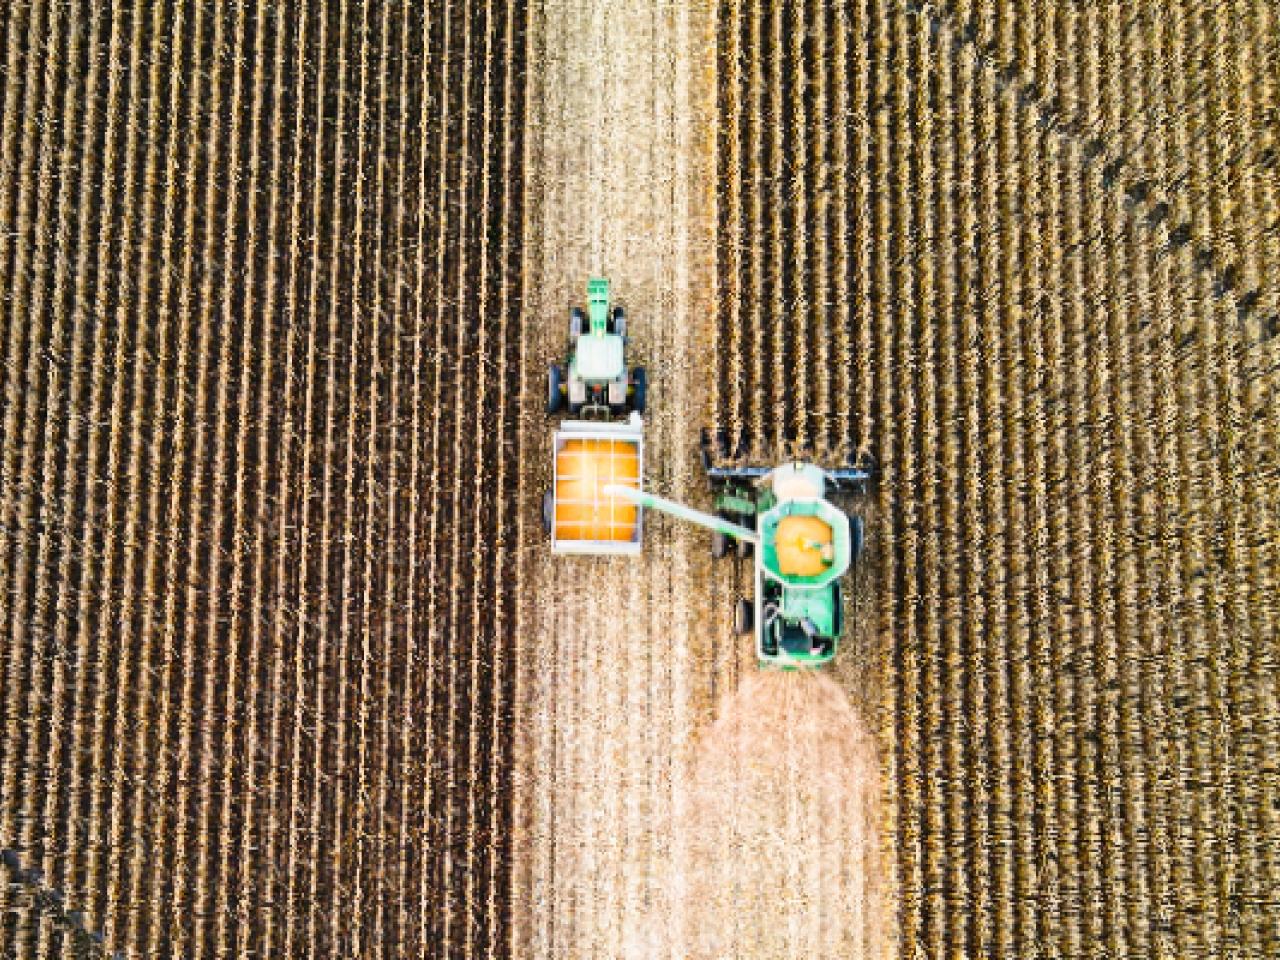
(589, 456)
(583, 511)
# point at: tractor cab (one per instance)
(598, 360)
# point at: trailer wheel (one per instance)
(577, 322)
(638, 389)
(619, 321)
(719, 545)
(548, 511)
(555, 387)
(743, 614)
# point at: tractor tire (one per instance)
(577, 323)
(548, 511)
(619, 321)
(719, 545)
(555, 388)
(639, 389)
(743, 615)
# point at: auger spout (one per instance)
(708, 520)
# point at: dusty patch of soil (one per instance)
(784, 857)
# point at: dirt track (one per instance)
(623, 661)
(783, 858)
(613, 684)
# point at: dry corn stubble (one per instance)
(1061, 346)
(265, 270)
(783, 841)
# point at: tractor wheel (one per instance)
(555, 387)
(577, 322)
(619, 321)
(743, 614)
(638, 389)
(719, 545)
(548, 511)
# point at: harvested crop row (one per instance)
(260, 332)
(1044, 244)
(622, 660)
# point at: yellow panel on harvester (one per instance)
(583, 510)
(804, 546)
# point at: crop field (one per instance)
(1027, 254)
(286, 666)
(261, 274)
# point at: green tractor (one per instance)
(802, 544)
(596, 383)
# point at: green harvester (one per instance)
(796, 612)
(595, 382)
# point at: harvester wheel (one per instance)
(619, 321)
(743, 615)
(577, 322)
(719, 544)
(856, 536)
(638, 389)
(548, 511)
(555, 387)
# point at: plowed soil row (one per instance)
(260, 333)
(1027, 253)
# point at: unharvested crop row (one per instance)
(1181, 106)
(261, 272)
(1070, 408)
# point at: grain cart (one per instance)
(595, 382)
(589, 457)
(802, 544)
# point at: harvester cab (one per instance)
(595, 383)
